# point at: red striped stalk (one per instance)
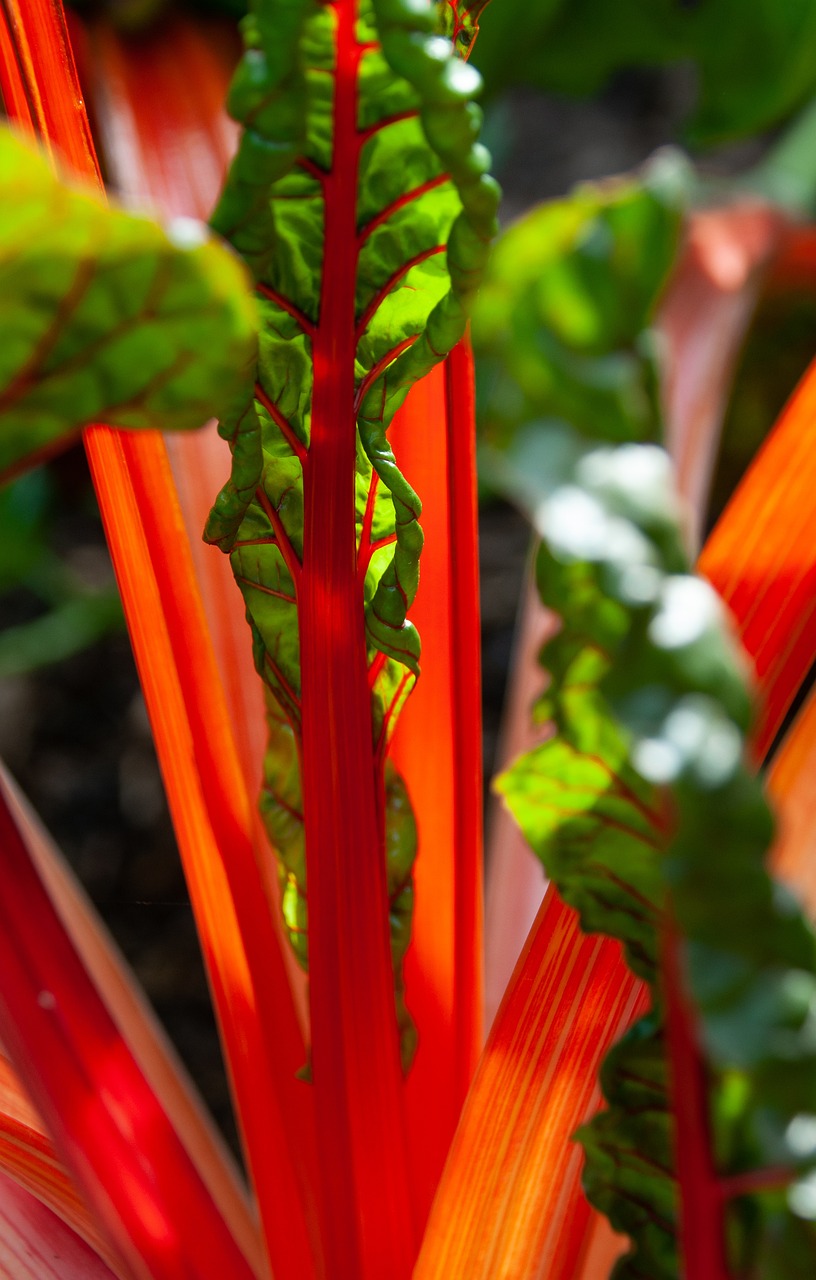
(437, 749)
(368, 1227)
(205, 787)
(701, 1235)
(116, 1138)
(510, 1201)
(760, 560)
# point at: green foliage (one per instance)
(642, 810)
(108, 317)
(756, 61)
(629, 1172)
(375, 305)
(561, 328)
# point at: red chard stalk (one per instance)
(359, 198)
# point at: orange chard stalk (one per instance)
(510, 1201)
(758, 557)
(193, 737)
(437, 748)
(450, 974)
(156, 98)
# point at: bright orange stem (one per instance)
(182, 688)
(437, 748)
(510, 1201)
(760, 558)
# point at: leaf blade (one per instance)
(107, 315)
(348, 255)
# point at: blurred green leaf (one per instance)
(562, 325)
(63, 631)
(24, 518)
(108, 317)
(756, 59)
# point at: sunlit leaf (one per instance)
(459, 20)
(108, 316)
(562, 329)
(647, 691)
(360, 199)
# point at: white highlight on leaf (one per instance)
(639, 583)
(657, 760)
(689, 606)
(801, 1135)
(574, 524)
(641, 474)
(710, 743)
(187, 233)
(802, 1197)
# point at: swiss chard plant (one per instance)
(359, 199)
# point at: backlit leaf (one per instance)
(353, 253)
(459, 20)
(107, 316)
(359, 197)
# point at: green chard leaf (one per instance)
(562, 328)
(647, 818)
(109, 317)
(360, 199)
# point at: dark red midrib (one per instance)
(355, 1054)
(701, 1233)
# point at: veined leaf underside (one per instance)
(360, 200)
